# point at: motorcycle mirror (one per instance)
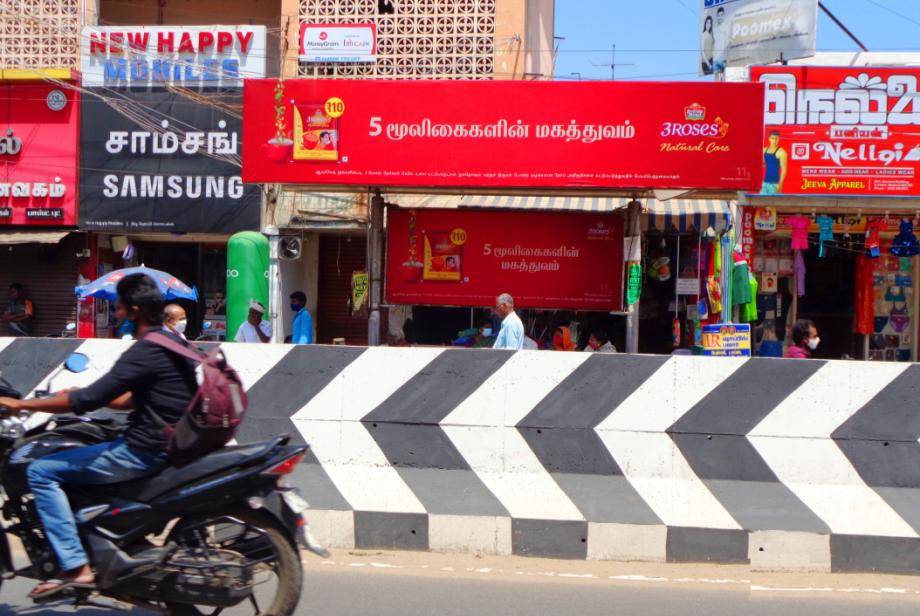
(76, 362)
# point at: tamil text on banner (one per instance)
(727, 339)
(189, 56)
(39, 124)
(744, 32)
(182, 178)
(349, 42)
(509, 134)
(840, 130)
(468, 258)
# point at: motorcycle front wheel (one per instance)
(252, 537)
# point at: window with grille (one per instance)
(40, 33)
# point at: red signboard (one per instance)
(840, 130)
(508, 134)
(38, 154)
(467, 258)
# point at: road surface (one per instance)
(408, 584)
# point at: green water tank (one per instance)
(247, 277)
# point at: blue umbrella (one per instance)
(170, 286)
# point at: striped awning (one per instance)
(681, 214)
(580, 204)
(511, 202)
(688, 214)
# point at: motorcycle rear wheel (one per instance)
(287, 569)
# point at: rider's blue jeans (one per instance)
(105, 463)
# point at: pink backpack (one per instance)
(213, 415)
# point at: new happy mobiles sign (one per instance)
(191, 56)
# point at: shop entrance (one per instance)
(829, 302)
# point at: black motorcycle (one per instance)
(222, 531)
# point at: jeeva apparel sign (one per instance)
(171, 170)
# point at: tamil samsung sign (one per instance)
(743, 32)
(338, 42)
(172, 170)
(172, 55)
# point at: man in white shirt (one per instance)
(511, 335)
(254, 329)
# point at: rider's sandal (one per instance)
(59, 586)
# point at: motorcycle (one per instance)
(220, 532)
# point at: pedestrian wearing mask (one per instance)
(804, 340)
(599, 342)
(174, 320)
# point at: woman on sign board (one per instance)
(707, 45)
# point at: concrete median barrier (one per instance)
(786, 465)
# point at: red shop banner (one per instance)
(468, 258)
(840, 130)
(38, 154)
(509, 134)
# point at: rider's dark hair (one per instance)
(140, 291)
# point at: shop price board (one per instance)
(727, 340)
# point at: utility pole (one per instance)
(613, 62)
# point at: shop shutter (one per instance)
(49, 274)
(339, 256)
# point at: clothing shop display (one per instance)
(825, 232)
(873, 228)
(865, 298)
(800, 273)
(905, 244)
(799, 225)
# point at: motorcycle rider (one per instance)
(146, 376)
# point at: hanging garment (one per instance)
(825, 232)
(895, 294)
(900, 318)
(749, 310)
(905, 243)
(799, 225)
(873, 227)
(864, 296)
(741, 288)
(713, 289)
(800, 273)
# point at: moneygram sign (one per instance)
(338, 43)
(841, 131)
(190, 56)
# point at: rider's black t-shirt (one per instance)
(157, 379)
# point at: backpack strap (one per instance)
(161, 340)
(167, 343)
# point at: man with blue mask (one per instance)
(302, 330)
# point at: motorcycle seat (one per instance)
(149, 488)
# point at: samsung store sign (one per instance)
(189, 56)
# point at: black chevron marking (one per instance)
(560, 431)
(711, 436)
(27, 362)
(880, 441)
(405, 425)
(283, 391)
